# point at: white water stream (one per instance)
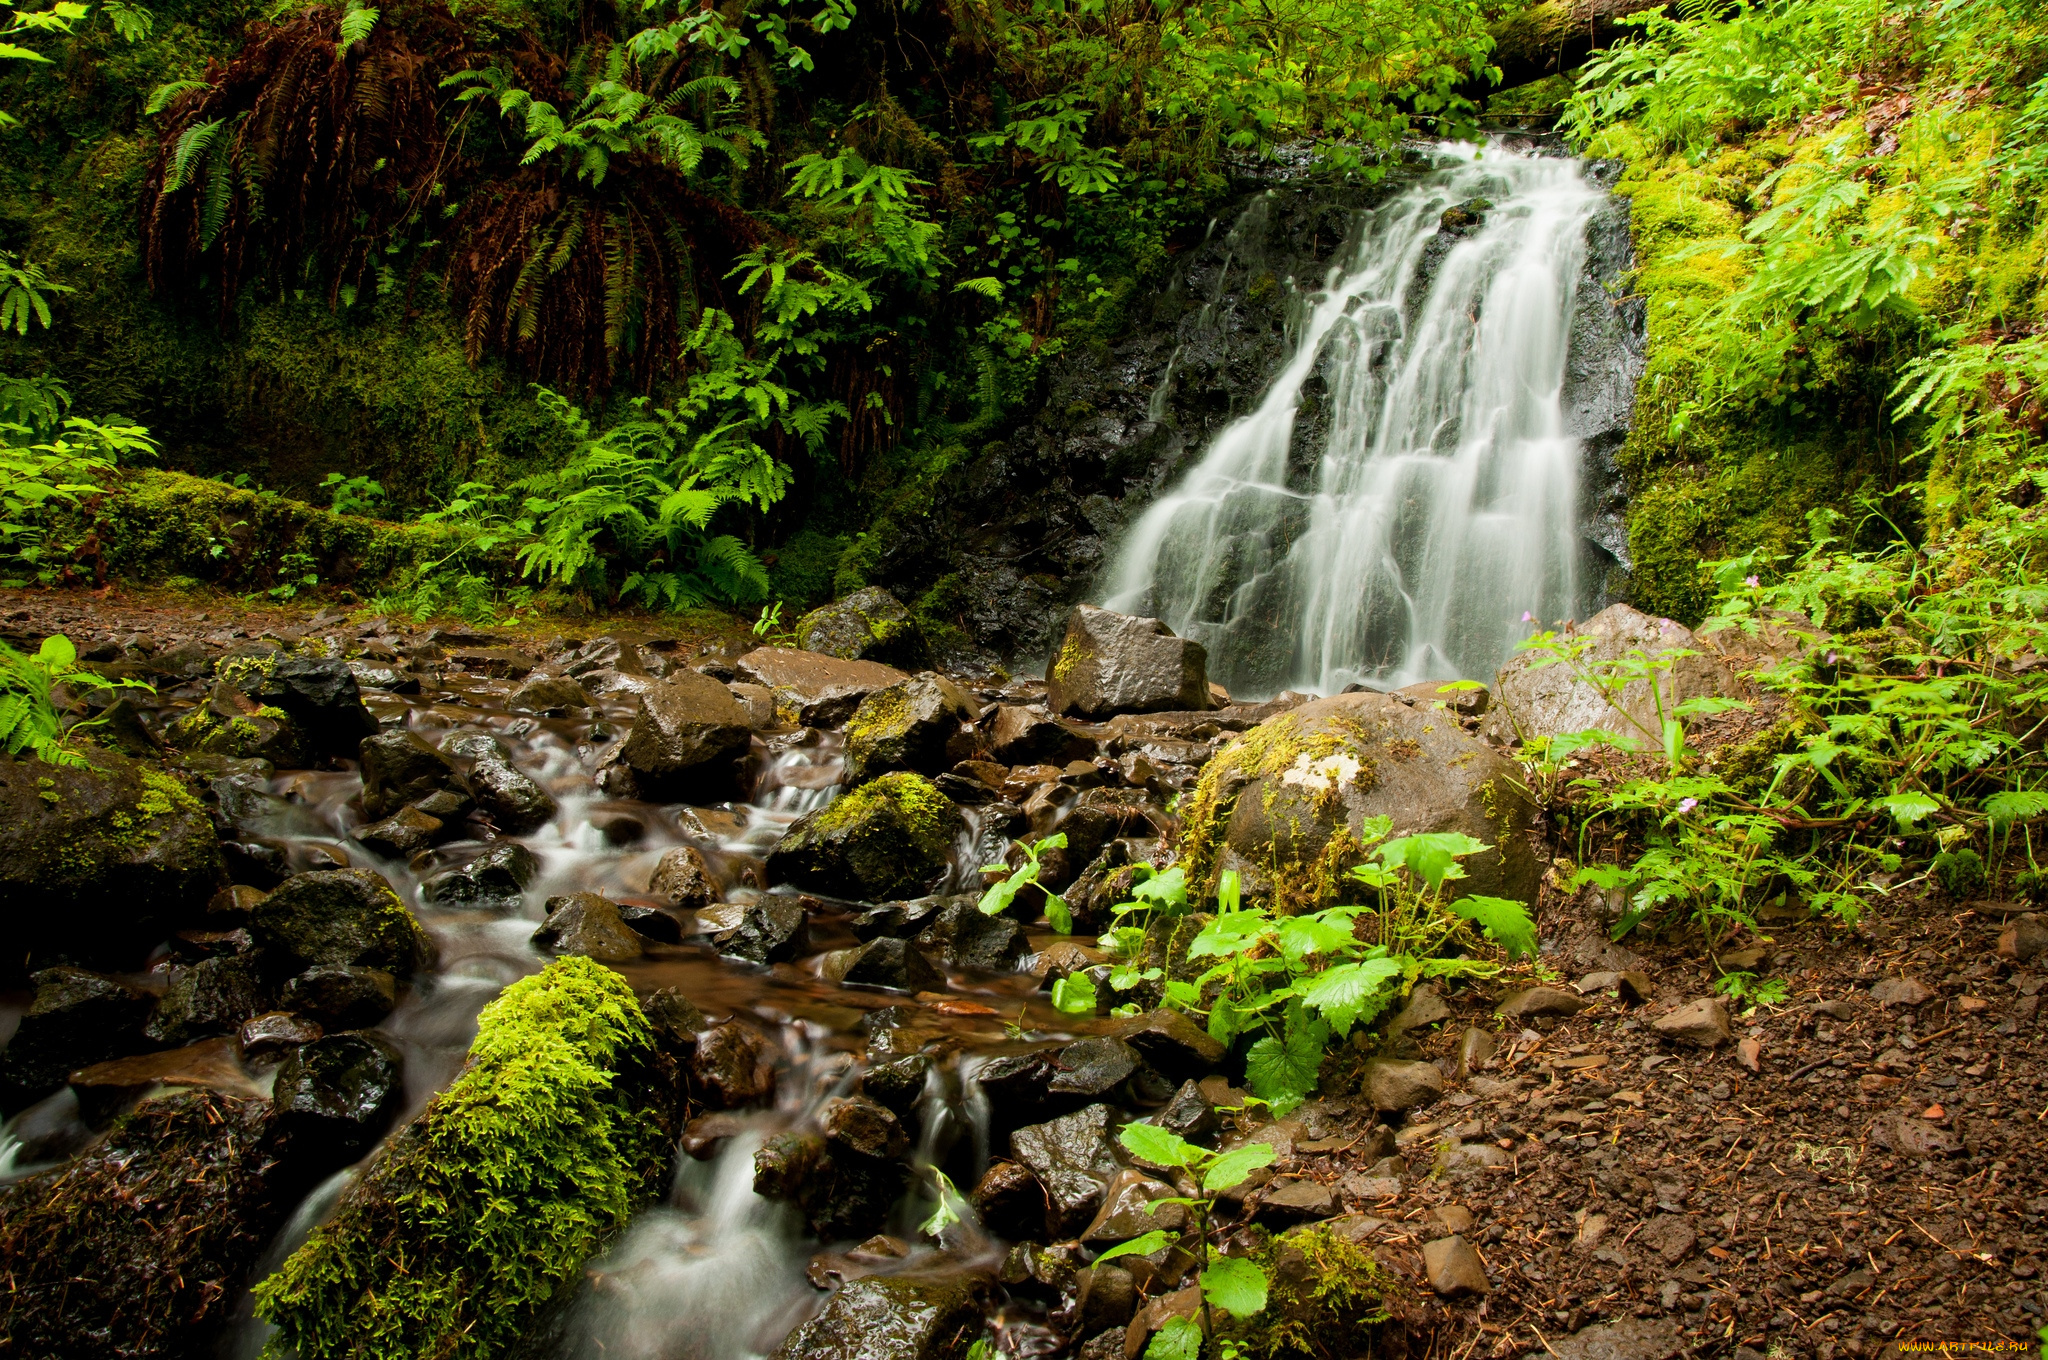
(1442, 507)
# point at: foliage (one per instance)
(35, 693)
(44, 469)
(997, 897)
(352, 495)
(478, 1218)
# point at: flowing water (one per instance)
(1438, 507)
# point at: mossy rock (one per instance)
(906, 727)
(345, 917)
(889, 839)
(868, 625)
(1327, 1299)
(472, 1227)
(1286, 803)
(99, 862)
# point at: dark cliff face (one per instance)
(1024, 528)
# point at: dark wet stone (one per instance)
(1010, 1201)
(886, 840)
(904, 920)
(339, 1090)
(1093, 1067)
(1021, 734)
(1188, 1115)
(76, 1019)
(734, 1066)
(403, 834)
(653, 923)
(1073, 1159)
(897, 1085)
(498, 878)
(1111, 663)
(965, 938)
(550, 695)
(1173, 1043)
(399, 768)
(863, 1126)
(272, 1033)
(906, 727)
(342, 997)
(770, 931)
(512, 800)
(895, 964)
(344, 916)
(213, 996)
(894, 1317)
(682, 876)
(687, 740)
(320, 694)
(868, 625)
(676, 1020)
(1127, 1210)
(587, 923)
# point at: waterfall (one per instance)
(1441, 505)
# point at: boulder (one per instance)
(99, 862)
(888, 962)
(76, 1019)
(342, 997)
(230, 723)
(495, 880)
(1392, 1085)
(1010, 1201)
(734, 1066)
(1531, 701)
(403, 834)
(1110, 663)
(687, 742)
(589, 924)
(273, 1033)
(1171, 1042)
(912, 1316)
(1021, 734)
(812, 689)
(965, 938)
(1702, 1023)
(905, 727)
(400, 768)
(318, 693)
(213, 996)
(1074, 1161)
(868, 625)
(771, 930)
(892, 838)
(549, 695)
(513, 801)
(339, 916)
(339, 1091)
(682, 877)
(1284, 804)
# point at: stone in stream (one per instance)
(1021, 734)
(912, 1316)
(589, 924)
(653, 923)
(1284, 804)
(815, 690)
(319, 693)
(965, 938)
(771, 930)
(346, 916)
(339, 1091)
(230, 723)
(1171, 1042)
(513, 801)
(213, 996)
(549, 695)
(1010, 1201)
(98, 862)
(734, 1066)
(906, 727)
(273, 1033)
(888, 962)
(897, 1085)
(403, 834)
(1108, 663)
(495, 880)
(687, 741)
(1093, 1067)
(399, 768)
(863, 1126)
(889, 839)
(1531, 700)
(904, 920)
(1702, 1023)
(868, 625)
(1074, 1161)
(682, 876)
(76, 1019)
(342, 997)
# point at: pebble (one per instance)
(1456, 1218)
(2023, 940)
(1393, 1086)
(1454, 1268)
(1530, 1001)
(1900, 991)
(1702, 1023)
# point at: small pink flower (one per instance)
(1527, 617)
(1750, 581)
(1687, 805)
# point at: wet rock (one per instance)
(1127, 1210)
(841, 1192)
(403, 834)
(399, 768)
(653, 923)
(1074, 1162)
(1454, 1268)
(771, 930)
(341, 916)
(682, 876)
(514, 802)
(1188, 1115)
(687, 741)
(1270, 804)
(495, 880)
(759, 702)
(1108, 1298)
(676, 1021)
(1109, 663)
(1424, 1007)
(213, 996)
(1901, 991)
(1528, 1002)
(114, 855)
(549, 695)
(1092, 1067)
(1171, 1042)
(1010, 1201)
(1671, 1236)
(1393, 1086)
(320, 694)
(271, 1034)
(1532, 701)
(339, 1091)
(904, 920)
(342, 997)
(897, 1085)
(2024, 940)
(76, 1019)
(1287, 1202)
(1475, 1049)
(889, 839)
(868, 625)
(231, 905)
(965, 938)
(1702, 1023)
(905, 727)
(812, 689)
(231, 723)
(1019, 734)
(894, 1317)
(734, 1066)
(589, 924)
(891, 963)
(863, 1126)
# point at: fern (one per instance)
(357, 22)
(195, 143)
(31, 719)
(168, 93)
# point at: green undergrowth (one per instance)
(476, 1221)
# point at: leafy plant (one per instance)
(1233, 1284)
(1746, 989)
(23, 287)
(352, 495)
(997, 897)
(296, 572)
(41, 470)
(33, 702)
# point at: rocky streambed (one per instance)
(621, 995)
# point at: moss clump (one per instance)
(883, 714)
(1321, 1286)
(891, 837)
(1264, 753)
(1072, 656)
(477, 1220)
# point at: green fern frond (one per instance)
(194, 145)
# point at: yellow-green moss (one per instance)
(1264, 753)
(882, 714)
(1320, 1286)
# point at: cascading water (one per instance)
(1441, 508)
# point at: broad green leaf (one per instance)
(1232, 933)
(1431, 856)
(1074, 994)
(1235, 1285)
(1161, 1147)
(2006, 808)
(1910, 808)
(1505, 921)
(1137, 1246)
(1301, 936)
(1232, 1167)
(1061, 919)
(1343, 993)
(1179, 1339)
(1167, 889)
(1282, 1070)
(996, 900)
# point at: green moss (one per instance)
(1072, 656)
(477, 1220)
(883, 714)
(1264, 753)
(1320, 1286)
